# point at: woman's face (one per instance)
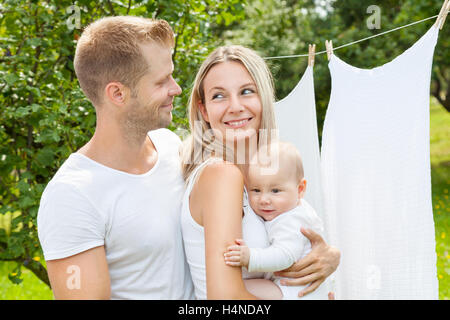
(232, 103)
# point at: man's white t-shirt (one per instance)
(136, 218)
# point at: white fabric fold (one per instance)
(376, 176)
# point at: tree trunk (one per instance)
(38, 269)
(437, 94)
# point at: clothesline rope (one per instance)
(351, 43)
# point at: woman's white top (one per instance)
(253, 231)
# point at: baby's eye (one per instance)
(276, 190)
(255, 190)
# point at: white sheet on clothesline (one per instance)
(297, 123)
(376, 176)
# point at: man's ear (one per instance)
(203, 111)
(116, 93)
(302, 188)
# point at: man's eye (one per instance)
(163, 81)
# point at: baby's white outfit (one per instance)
(287, 245)
(254, 235)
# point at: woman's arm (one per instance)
(320, 263)
(220, 187)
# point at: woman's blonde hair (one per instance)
(262, 77)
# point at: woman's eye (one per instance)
(217, 96)
(247, 91)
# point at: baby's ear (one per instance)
(302, 188)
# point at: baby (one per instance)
(277, 198)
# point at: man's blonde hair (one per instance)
(109, 50)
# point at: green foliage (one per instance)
(31, 288)
(45, 116)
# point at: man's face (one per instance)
(151, 106)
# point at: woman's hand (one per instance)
(321, 262)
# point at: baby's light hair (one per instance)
(281, 154)
(289, 153)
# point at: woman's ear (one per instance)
(203, 111)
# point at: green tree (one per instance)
(45, 116)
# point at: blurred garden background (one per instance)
(44, 116)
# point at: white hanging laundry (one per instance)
(376, 176)
(297, 123)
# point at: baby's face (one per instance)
(271, 195)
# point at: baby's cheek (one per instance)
(286, 203)
(253, 202)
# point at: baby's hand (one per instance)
(237, 255)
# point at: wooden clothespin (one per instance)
(312, 54)
(329, 46)
(443, 14)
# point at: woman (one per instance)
(231, 108)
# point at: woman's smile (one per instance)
(236, 124)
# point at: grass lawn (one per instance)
(33, 288)
(440, 178)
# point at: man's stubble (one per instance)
(141, 119)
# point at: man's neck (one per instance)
(111, 148)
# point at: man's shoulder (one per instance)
(165, 135)
(70, 178)
(74, 168)
(59, 185)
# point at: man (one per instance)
(111, 211)
(108, 220)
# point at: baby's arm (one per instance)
(270, 259)
(287, 246)
(237, 255)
